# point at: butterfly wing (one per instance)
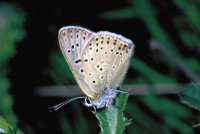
(72, 42)
(105, 60)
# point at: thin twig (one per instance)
(156, 45)
(137, 89)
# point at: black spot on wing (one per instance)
(77, 61)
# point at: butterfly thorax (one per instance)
(105, 99)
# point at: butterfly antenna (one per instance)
(58, 106)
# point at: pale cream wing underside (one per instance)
(72, 42)
(105, 60)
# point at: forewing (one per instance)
(72, 42)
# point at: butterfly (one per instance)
(98, 61)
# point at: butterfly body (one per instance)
(105, 99)
(98, 61)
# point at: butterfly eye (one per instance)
(87, 100)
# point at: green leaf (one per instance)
(190, 96)
(161, 106)
(191, 12)
(151, 74)
(7, 128)
(112, 120)
(11, 31)
(178, 125)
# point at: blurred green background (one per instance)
(167, 38)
